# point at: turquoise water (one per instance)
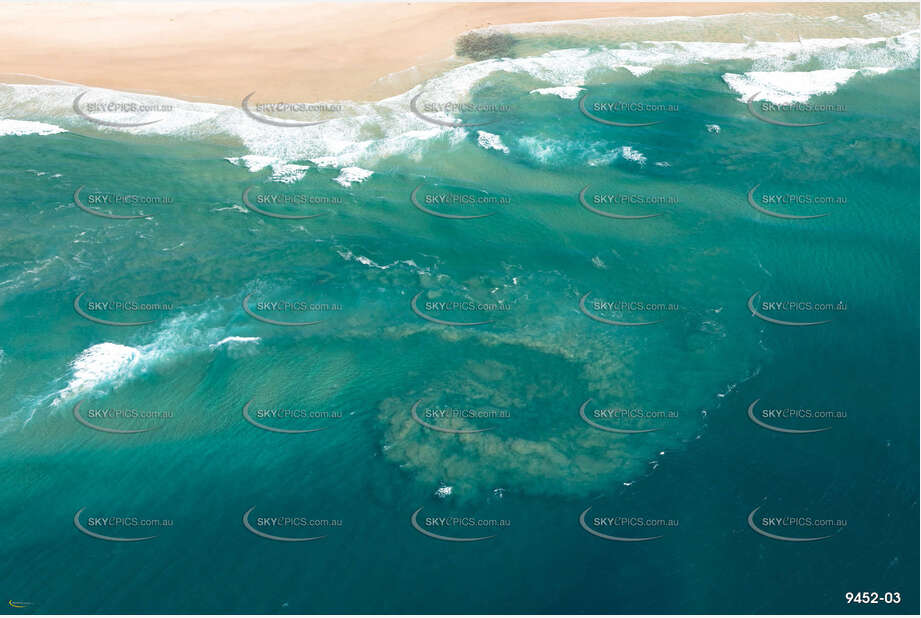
(370, 358)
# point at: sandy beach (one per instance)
(285, 51)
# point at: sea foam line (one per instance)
(342, 140)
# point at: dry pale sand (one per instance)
(220, 52)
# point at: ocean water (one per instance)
(470, 410)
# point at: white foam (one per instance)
(108, 365)
(253, 163)
(348, 256)
(632, 154)
(491, 141)
(712, 128)
(785, 87)
(289, 172)
(444, 491)
(549, 150)
(541, 150)
(282, 171)
(637, 71)
(9, 126)
(348, 175)
(626, 153)
(362, 133)
(235, 207)
(98, 364)
(564, 92)
(234, 341)
(32, 275)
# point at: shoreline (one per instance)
(305, 52)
